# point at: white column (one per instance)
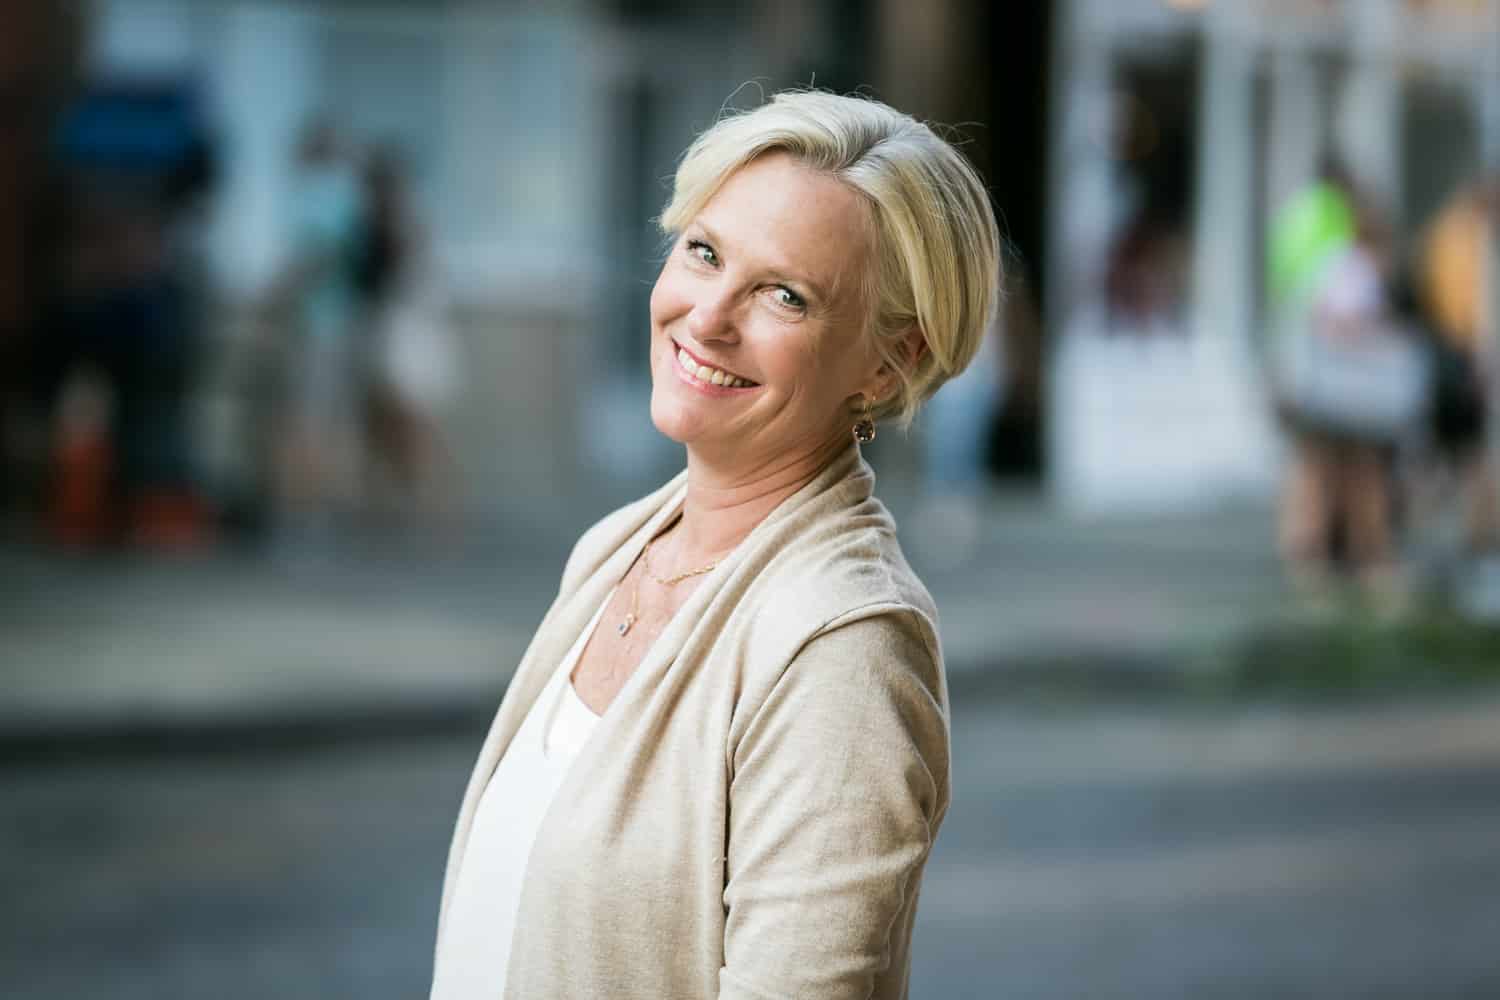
(1367, 117)
(1295, 128)
(1223, 235)
(265, 89)
(1232, 443)
(1487, 85)
(1082, 202)
(143, 37)
(474, 169)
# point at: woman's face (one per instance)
(764, 286)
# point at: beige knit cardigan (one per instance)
(751, 816)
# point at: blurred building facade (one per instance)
(1177, 130)
(1135, 149)
(534, 134)
(541, 139)
(38, 60)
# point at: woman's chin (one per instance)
(671, 421)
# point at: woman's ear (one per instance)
(911, 348)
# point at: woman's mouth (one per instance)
(708, 374)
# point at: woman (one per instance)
(1347, 431)
(1456, 253)
(729, 789)
(317, 288)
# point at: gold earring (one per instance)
(864, 427)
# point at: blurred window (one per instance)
(490, 112)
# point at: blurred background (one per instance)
(322, 337)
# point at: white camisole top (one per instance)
(475, 951)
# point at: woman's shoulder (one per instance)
(838, 572)
(846, 554)
(833, 573)
(844, 635)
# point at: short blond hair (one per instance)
(936, 242)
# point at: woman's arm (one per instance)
(840, 782)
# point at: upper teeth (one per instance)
(703, 373)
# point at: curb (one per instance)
(1281, 660)
(270, 730)
(266, 732)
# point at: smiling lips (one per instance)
(708, 374)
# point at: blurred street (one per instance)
(1247, 853)
(1090, 852)
(1097, 846)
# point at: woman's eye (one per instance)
(784, 296)
(703, 252)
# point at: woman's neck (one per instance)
(724, 504)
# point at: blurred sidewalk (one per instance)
(1120, 601)
(123, 644)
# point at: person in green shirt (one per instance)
(1306, 233)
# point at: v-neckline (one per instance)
(553, 703)
(670, 522)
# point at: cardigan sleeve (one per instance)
(840, 781)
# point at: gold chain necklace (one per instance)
(673, 580)
(635, 595)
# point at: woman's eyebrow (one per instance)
(706, 230)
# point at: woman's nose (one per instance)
(712, 318)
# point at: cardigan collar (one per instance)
(573, 611)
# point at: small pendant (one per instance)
(624, 626)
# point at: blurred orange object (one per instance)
(1455, 251)
(80, 503)
(83, 461)
(177, 521)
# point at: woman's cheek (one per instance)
(667, 298)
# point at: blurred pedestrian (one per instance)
(731, 790)
(316, 299)
(131, 312)
(410, 368)
(1352, 384)
(1456, 256)
(1306, 233)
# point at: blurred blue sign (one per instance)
(133, 128)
